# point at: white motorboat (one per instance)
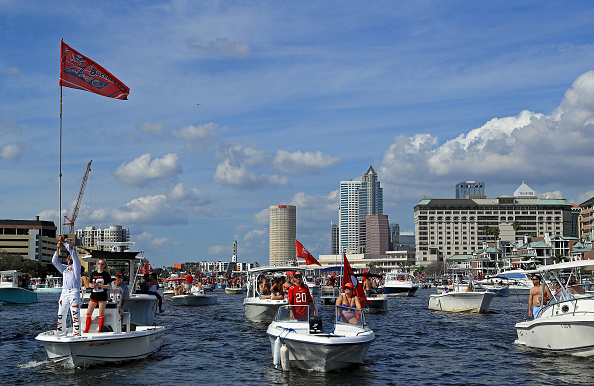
(255, 308)
(196, 297)
(518, 280)
(143, 307)
(123, 342)
(400, 284)
(377, 300)
(52, 284)
(461, 301)
(310, 348)
(169, 286)
(329, 294)
(234, 290)
(566, 323)
(12, 290)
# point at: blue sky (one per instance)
(295, 97)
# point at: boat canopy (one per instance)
(330, 269)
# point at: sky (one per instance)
(239, 105)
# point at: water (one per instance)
(216, 344)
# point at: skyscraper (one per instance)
(283, 225)
(470, 189)
(378, 234)
(334, 239)
(358, 199)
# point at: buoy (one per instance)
(276, 353)
(284, 357)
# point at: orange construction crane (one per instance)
(69, 221)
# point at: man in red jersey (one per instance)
(189, 280)
(299, 295)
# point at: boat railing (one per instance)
(350, 315)
(292, 313)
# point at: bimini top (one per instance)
(586, 264)
(274, 268)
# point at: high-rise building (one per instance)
(470, 189)
(378, 234)
(32, 239)
(358, 199)
(334, 238)
(394, 235)
(283, 227)
(90, 237)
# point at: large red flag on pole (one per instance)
(304, 254)
(78, 71)
(349, 277)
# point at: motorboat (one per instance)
(238, 290)
(399, 283)
(261, 310)
(169, 286)
(377, 300)
(461, 301)
(196, 297)
(329, 294)
(52, 284)
(497, 285)
(518, 281)
(14, 288)
(120, 340)
(143, 307)
(309, 347)
(566, 323)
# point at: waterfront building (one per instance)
(334, 239)
(447, 227)
(377, 263)
(32, 239)
(586, 218)
(90, 237)
(283, 226)
(378, 234)
(470, 189)
(358, 199)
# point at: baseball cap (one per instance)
(350, 285)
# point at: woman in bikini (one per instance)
(349, 299)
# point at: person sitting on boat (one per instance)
(265, 288)
(349, 299)
(277, 290)
(286, 285)
(118, 290)
(189, 280)
(100, 280)
(470, 288)
(70, 296)
(299, 295)
(536, 299)
(154, 288)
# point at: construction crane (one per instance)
(69, 221)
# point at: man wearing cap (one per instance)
(119, 291)
(299, 295)
(70, 296)
(535, 300)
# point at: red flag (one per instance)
(78, 71)
(349, 277)
(304, 254)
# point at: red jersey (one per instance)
(189, 279)
(299, 295)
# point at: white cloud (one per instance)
(220, 46)
(242, 154)
(504, 148)
(154, 128)
(188, 196)
(142, 171)
(220, 250)
(10, 152)
(154, 241)
(198, 138)
(241, 178)
(303, 163)
(143, 210)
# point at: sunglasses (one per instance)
(100, 263)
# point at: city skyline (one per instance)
(235, 106)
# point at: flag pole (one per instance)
(60, 175)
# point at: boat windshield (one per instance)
(350, 315)
(291, 313)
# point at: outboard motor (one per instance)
(315, 324)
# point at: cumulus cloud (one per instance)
(242, 154)
(143, 210)
(154, 241)
(153, 128)
(221, 46)
(10, 152)
(239, 177)
(188, 196)
(198, 138)
(303, 163)
(142, 171)
(504, 148)
(220, 250)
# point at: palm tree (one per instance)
(516, 225)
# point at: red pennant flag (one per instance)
(349, 277)
(78, 71)
(304, 254)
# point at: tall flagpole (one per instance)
(60, 176)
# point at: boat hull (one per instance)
(53, 290)
(401, 290)
(261, 310)
(461, 301)
(98, 348)
(234, 291)
(194, 300)
(376, 304)
(17, 295)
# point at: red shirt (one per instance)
(189, 279)
(299, 295)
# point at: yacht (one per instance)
(400, 284)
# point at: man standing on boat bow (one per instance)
(70, 296)
(535, 301)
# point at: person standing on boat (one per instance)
(99, 282)
(70, 296)
(536, 301)
(189, 280)
(299, 295)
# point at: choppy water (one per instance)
(216, 344)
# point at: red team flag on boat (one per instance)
(304, 254)
(78, 71)
(349, 277)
